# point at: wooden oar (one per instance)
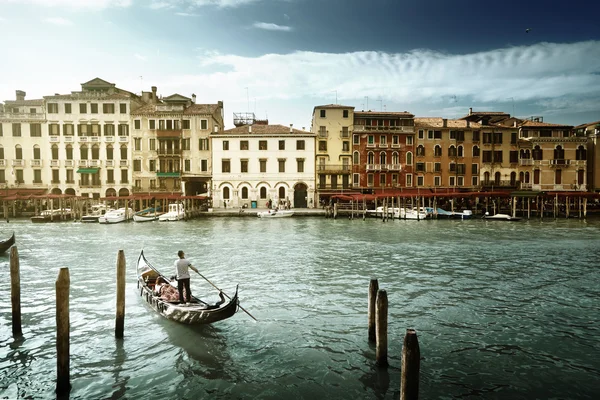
(242, 308)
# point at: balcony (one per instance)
(18, 163)
(23, 116)
(109, 139)
(501, 183)
(169, 152)
(36, 163)
(169, 133)
(69, 139)
(578, 163)
(384, 167)
(383, 145)
(334, 187)
(525, 161)
(123, 163)
(54, 139)
(110, 163)
(559, 162)
(69, 163)
(123, 139)
(88, 185)
(94, 163)
(391, 129)
(82, 163)
(323, 134)
(334, 169)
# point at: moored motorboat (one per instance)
(6, 244)
(500, 217)
(176, 212)
(464, 214)
(275, 213)
(58, 215)
(197, 312)
(115, 216)
(96, 212)
(147, 215)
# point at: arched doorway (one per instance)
(70, 191)
(56, 191)
(123, 192)
(300, 195)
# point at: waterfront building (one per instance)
(383, 150)
(333, 126)
(447, 153)
(24, 149)
(88, 144)
(553, 156)
(592, 132)
(171, 144)
(253, 164)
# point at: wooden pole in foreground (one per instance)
(381, 324)
(120, 317)
(411, 364)
(15, 292)
(373, 288)
(62, 331)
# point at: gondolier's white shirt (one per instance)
(182, 267)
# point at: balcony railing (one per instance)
(169, 133)
(69, 163)
(110, 163)
(123, 139)
(384, 167)
(54, 139)
(69, 139)
(500, 183)
(525, 161)
(333, 168)
(23, 116)
(339, 186)
(123, 163)
(18, 163)
(94, 163)
(393, 129)
(2, 163)
(109, 139)
(36, 163)
(169, 152)
(323, 134)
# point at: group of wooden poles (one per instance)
(377, 315)
(411, 354)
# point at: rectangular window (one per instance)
(137, 165)
(204, 124)
(437, 181)
(461, 169)
(137, 124)
(53, 108)
(475, 180)
(203, 144)
(35, 130)
(460, 180)
(281, 163)
(54, 129)
(16, 130)
(109, 130)
(487, 137)
(187, 165)
(82, 108)
(476, 136)
(382, 180)
(244, 145)
(498, 156)
(137, 144)
(68, 129)
(322, 145)
(452, 181)
(151, 124)
(498, 137)
(300, 145)
(474, 168)
(204, 165)
(345, 132)
(514, 156)
(513, 138)
(355, 140)
(487, 156)
(430, 135)
(123, 108)
(185, 124)
(370, 180)
(420, 180)
(226, 145)
(282, 145)
(322, 113)
(346, 146)
(409, 140)
(185, 144)
(152, 165)
(262, 145)
(420, 167)
(94, 108)
(123, 130)
(437, 167)
(95, 130)
(421, 134)
(345, 113)
(383, 140)
(152, 144)
(409, 181)
(67, 108)
(437, 134)
(152, 183)
(244, 166)
(124, 176)
(109, 108)
(300, 164)
(263, 165)
(225, 166)
(1, 134)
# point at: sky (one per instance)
(281, 58)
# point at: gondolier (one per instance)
(183, 277)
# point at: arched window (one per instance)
(263, 192)
(1, 153)
(559, 153)
(95, 152)
(497, 178)
(420, 151)
(245, 193)
(54, 152)
(226, 194)
(521, 176)
(370, 158)
(460, 151)
(513, 178)
(475, 151)
(451, 151)
(382, 158)
(526, 177)
(356, 158)
(18, 152)
(581, 153)
(109, 152)
(437, 151)
(537, 153)
(281, 192)
(83, 152)
(486, 178)
(536, 177)
(409, 158)
(395, 158)
(69, 152)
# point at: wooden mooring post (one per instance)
(411, 364)
(120, 317)
(373, 288)
(381, 324)
(63, 283)
(15, 292)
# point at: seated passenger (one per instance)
(166, 291)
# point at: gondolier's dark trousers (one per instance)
(184, 283)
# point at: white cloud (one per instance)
(159, 5)
(271, 27)
(140, 57)
(74, 4)
(58, 21)
(184, 14)
(2, 19)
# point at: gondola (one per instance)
(197, 312)
(5, 245)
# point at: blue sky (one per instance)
(280, 58)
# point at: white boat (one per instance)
(275, 213)
(464, 214)
(412, 213)
(97, 211)
(57, 215)
(500, 217)
(149, 214)
(115, 216)
(176, 212)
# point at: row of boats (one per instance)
(423, 213)
(102, 214)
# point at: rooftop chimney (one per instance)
(444, 123)
(193, 98)
(470, 110)
(20, 95)
(249, 128)
(154, 92)
(291, 128)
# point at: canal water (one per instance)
(503, 310)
